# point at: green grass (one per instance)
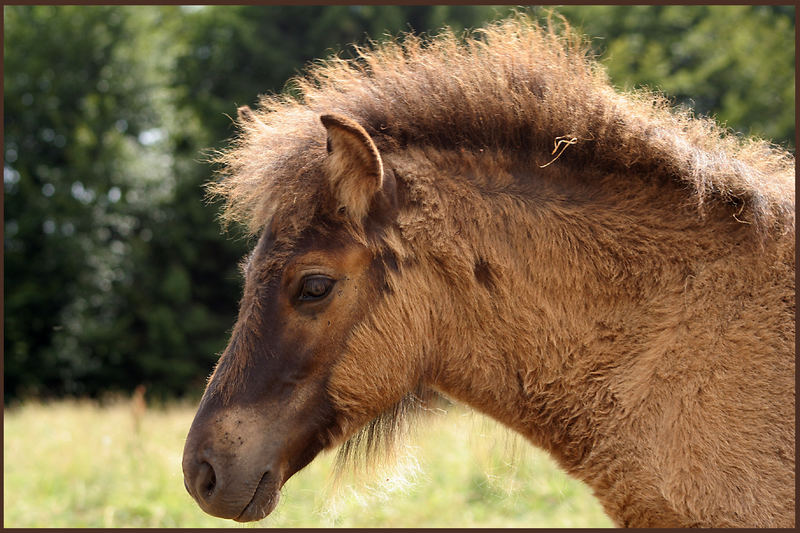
(75, 464)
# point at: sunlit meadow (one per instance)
(77, 464)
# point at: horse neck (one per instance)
(541, 294)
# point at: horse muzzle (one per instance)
(230, 468)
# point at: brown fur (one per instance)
(629, 307)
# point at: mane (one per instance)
(513, 86)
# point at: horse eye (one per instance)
(315, 288)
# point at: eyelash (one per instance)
(304, 294)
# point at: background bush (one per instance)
(115, 270)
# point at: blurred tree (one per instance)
(76, 97)
(125, 287)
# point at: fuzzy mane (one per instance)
(514, 86)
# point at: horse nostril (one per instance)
(206, 480)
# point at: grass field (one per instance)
(76, 464)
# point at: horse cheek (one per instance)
(375, 371)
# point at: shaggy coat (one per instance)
(612, 279)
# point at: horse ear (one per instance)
(354, 164)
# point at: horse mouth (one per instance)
(265, 499)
